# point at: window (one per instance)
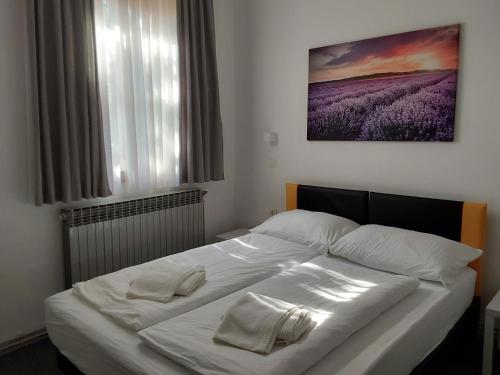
(137, 56)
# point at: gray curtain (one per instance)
(201, 148)
(69, 146)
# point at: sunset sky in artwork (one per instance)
(428, 49)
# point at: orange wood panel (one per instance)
(291, 196)
(474, 234)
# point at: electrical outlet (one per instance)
(271, 163)
(273, 211)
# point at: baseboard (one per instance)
(21, 341)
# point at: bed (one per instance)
(414, 335)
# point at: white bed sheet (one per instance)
(342, 298)
(399, 339)
(229, 265)
(394, 343)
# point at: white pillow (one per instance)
(317, 230)
(406, 252)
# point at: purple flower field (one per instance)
(418, 107)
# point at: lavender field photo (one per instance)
(395, 88)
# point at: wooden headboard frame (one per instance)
(473, 228)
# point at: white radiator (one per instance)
(108, 237)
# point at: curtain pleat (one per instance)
(69, 144)
(201, 147)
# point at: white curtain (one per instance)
(137, 57)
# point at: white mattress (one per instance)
(394, 343)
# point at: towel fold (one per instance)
(294, 327)
(161, 285)
(257, 322)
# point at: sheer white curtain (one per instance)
(137, 57)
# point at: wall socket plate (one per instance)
(273, 211)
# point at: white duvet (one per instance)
(342, 296)
(229, 266)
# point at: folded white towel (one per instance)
(162, 284)
(257, 322)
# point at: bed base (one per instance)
(462, 334)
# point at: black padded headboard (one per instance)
(435, 216)
(352, 204)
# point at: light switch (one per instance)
(271, 163)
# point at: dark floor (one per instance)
(40, 359)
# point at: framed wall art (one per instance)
(399, 87)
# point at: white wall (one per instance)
(31, 265)
(220, 200)
(30, 240)
(276, 70)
